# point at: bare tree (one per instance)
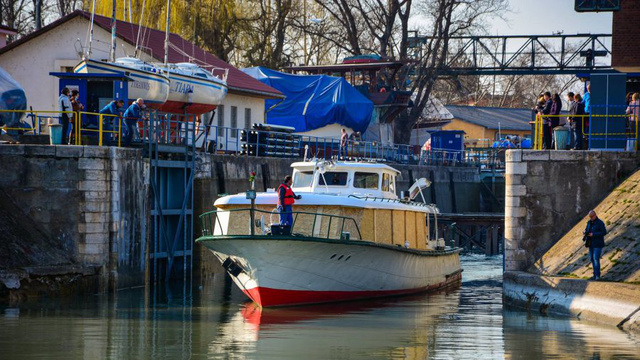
(14, 14)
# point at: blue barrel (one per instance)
(561, 137)
(55, 134)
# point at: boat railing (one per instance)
(237, 222)
(390, 200)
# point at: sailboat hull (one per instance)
(193, 95)
(152, 88)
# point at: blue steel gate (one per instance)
(171, 150)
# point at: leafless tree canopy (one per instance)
(279, 33)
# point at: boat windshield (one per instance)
(333, 178)
(364, 180)
(303, 179)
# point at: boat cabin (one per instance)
(352, 200)
(345, 178)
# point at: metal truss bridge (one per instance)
(523, 54)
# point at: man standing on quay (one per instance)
(594, 236)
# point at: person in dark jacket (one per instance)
(554, 121)
(109, 122)
(595, 232)
(577, 123)
(131, 117)
(546, 122)
(286, 198)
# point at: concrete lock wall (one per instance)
(454, 189)
(547, 192)
(93, 201)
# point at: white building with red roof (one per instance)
(59, 46)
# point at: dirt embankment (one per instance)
(620, 262)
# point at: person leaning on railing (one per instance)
(633, 110)
(131, 117)
(113, 108)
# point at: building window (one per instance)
(234, 121)
(247, 118)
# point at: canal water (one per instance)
(214, 321)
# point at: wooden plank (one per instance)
(421, 228)
(398, 223)
(410, 232)
(383, 226)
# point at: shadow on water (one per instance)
(216, 322)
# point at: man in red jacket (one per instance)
(286, 198)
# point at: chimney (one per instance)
(5, 32)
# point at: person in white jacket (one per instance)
(64, 104)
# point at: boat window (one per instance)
(333, 178)
(363, 180)
(303, 179)
(387, 183)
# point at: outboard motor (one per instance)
(12, 97)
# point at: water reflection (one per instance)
(215, 322)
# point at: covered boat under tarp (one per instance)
(314, 101)
(12, 97)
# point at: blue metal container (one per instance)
(450, 143)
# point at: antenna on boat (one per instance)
(93, 15)
(306, 149)
(166, 35)
(112, 54)
(135, 53)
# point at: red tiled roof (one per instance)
(153, 43)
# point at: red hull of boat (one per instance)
(268, 297)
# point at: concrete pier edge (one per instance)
(610, 303)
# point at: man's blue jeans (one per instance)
(286, 218)
(594, 255)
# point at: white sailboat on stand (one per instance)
(150, 82)
(193, 89)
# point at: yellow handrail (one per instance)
(100, 129)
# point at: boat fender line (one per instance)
(232, 267)
(453, 273)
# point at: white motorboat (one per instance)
(351, 238)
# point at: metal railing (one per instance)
(305, 224)
(37, 119)
(90, 128)
(587, 124)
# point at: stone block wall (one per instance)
(547, 192)
(93, 201)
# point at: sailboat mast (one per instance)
(93, 15)
(112, 55)
(166, 35)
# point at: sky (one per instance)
(542, 17)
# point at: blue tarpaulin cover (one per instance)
(314, 101)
